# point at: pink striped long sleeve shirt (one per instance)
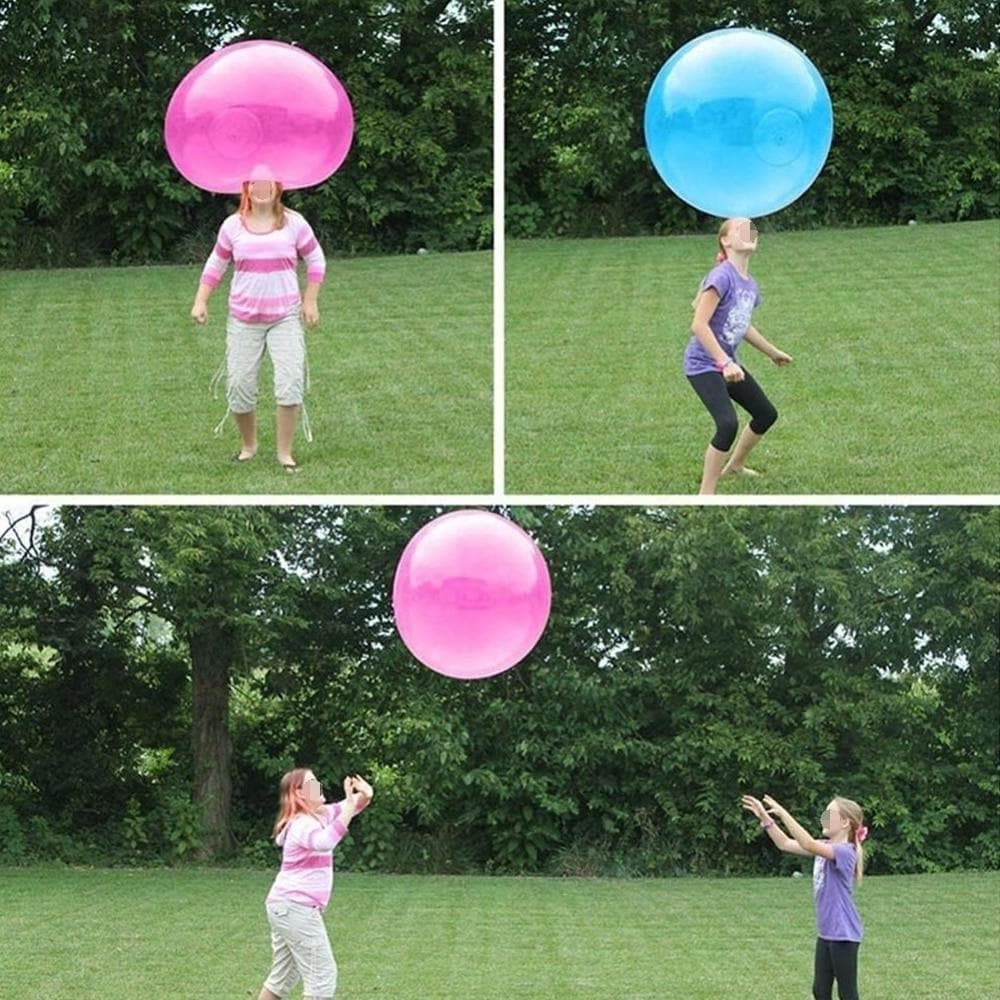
(265, 285)
(307, 844)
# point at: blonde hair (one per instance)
(856, 817)
(279, 209)
(719, 257)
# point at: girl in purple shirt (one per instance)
(838, 867)
(722, 310)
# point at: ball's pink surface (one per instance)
(260, 107)
(471, 594)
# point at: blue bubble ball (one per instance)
(738, 123)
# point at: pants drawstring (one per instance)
(306, 426)
(221, 425)
(220, 374)
(213, 388)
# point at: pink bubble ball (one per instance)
(471, 595)
(258, 108)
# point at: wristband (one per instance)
(720, 365)
(767, 825)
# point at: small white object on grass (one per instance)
(422, 250)
(796, 874)
(912, 222)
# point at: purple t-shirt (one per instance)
(737, 298)
(837, 917)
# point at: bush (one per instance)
(12, 847)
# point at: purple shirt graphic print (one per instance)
(738, 297)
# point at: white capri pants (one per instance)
(301, 950)
(284, 341)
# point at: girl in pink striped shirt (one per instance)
(307, 830)
(264, 240)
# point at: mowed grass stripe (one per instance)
(130, 934)
(895, 335)
(106, 383)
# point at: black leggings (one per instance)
(716, 393)
(836, 960)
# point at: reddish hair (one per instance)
(289, 804)
(279, 209)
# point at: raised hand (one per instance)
(362, 787)
(754, 806)
(774, 807)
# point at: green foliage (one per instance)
(166, 827)
(182, 824)
(12, 848)
(134, 835)
(371, 844)
(692, 654)
(259, 853)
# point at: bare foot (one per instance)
(741, 471)
(245, 454)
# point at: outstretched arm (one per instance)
(805, 840)
(777, 835)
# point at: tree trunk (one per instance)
(214, 649)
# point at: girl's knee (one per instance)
(725, 432)
(288, 395)
(289, 382)
(242, 395)
(764, 420)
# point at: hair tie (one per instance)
(860, 834)
(720, 256)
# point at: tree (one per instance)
(202, 569)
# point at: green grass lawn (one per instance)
(191, 934)
(895, 335)
(105, 383)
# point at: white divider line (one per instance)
(499, 384)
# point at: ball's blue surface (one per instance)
(738, 123)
